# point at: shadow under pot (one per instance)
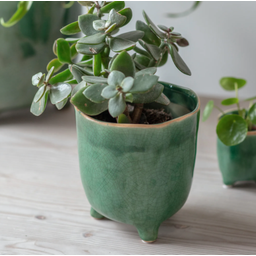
(238, 163)
(140, 174)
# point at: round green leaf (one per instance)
(230, 101)
(208, 110)
(93, 92)
(232, 129)
(252, 113)
(127, 84)
(116, 105)
(86, 23)
(115, 78)
(109, 92)
(60, 92)
(228, 83)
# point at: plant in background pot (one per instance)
(30, 42)
(236, 131)
(136, 136)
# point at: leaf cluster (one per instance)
(107, 76)
(233, 126)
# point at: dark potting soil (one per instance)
(148, 116)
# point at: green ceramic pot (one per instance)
(26, 48)
(238, 163)
(140, 174)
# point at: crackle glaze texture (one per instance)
(238, 163)
(140, 174)
(26, 48)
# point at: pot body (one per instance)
(26, 48)
(238, 163)
(140, 174)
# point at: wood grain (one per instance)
(43, 208)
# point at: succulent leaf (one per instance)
(144, 83)
(183, 42)
(61, 105)
(143, 61)
(115, 78)
(111, 28)
(119, 44)
(93, 92)
(56, 64)
(94, 79)
(109, 92)
(71, 40)
(86, 106)
(61, 77)
(90, 49)
(123, 119)
(154, 51)
(178, 61)
(99, 25)
(86, 23)
(49, 75)
(60, 92)
(37, 108)
(39, 93)
(37, 78)
(117, 5)
(71, 29)
(129, 97)
(78, 72)
(124, 63)
(96, 64)
(127, 12)
(147, 71)
(162, 99)
(63, 51)
(116, 105)
(132, 35)
(93, 39)
(164, 28)
(127, 84)
(115, 17)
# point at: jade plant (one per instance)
(111, 70)
(233, 125)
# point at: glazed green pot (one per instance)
(238, 163)
(140, 174)
(26, 48)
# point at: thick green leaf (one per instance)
(123, 62)
(37, 108)
(86, 24)
(61, 77)
(143, 61)
(60, 92)
(164, 28)
(71, 81)
(93, 39)
(96, 64)
(144, 83)
(230, 101)
(115, 17)
(99, 25)
(252, 113)
(56, 64)
(182, 42)
(127, 12)
(37, 78)
(153, 50)
(127, 84)
(61, 105)
(63, 51)
(78, 72)
(86, 106)
(117, 5)
(71, 29)
(162, 99)
(147, 71)
(111, 28)
(109, 92)
(49, 75)
(78, 87)
(72, 40)
(208, 110)
(90, 49)
(73, 51)
(22, 9)
(129, 97)
(141, 52)
(115, 78)
(94, 79)
(163, 60)
(118, 44)
(153, 27)
(123, 119)
(86, 63)
(178, 61)
(150, 96)
(228, 83)
(39, 93)
(149, 37)
(116, 105)
(93, 92)
(232, 129)
(132, 35)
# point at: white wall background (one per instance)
(222, 37)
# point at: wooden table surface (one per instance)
(43, 208)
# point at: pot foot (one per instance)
(96, 215)
(227, 186)
(148, 234)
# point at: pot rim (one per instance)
(249, 133)
(161, 125)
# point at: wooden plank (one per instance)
(43, 208)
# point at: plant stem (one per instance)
(220, 110)
(136, 114)
(238, 105)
